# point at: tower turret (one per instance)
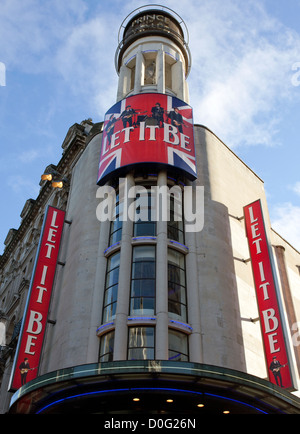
(153, 53)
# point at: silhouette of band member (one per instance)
(158, 114)
(24, 368)
(109, 128)
(275, 367)
(127, 116)
(176, 119)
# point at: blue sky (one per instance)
(57, 68)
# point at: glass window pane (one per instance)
(142, 306)
(176, 274)
(178, 357)
(176, 293)
(176, 258)
(143, 270)
(107, 347)
(142, 253)
(143, 288)
(141, 337)
(111, 295)
(178, 346)
(141, 354)
(113, 261)
(141, 343)
(144, 229)
(112, 277)
(109, 312)
(177, 311)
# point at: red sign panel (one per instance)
(153, 129)
(268, 305)
(35, 316)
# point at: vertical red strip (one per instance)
(33, 328)
(268, 305)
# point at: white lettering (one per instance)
(35, 319)
(269, 316)
(142, 131)
(254, 230)
(49, 249)
(194, 221)
(30, 344)
(105, 209)
(127, 134)
(261, 270)
(41, 293)
(114, 138)
(252, 220)
(272, 342)
(54, 215)
(257, 244)
(51, 234)
(265, 290)
(170, 132)
(152, 129)
(44, 273)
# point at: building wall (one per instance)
(222, 308)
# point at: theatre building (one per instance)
(146, 278)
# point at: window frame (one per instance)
(141, 347)
(174, 350)
(177, 287)
(106, 314)
(135, 278)
(110, 354)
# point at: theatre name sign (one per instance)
(269, 304)
(36, 313)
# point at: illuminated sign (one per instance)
(151, 129)
(267, 300)
(35, 317)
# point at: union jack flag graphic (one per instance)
(150, 129)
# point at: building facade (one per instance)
(154, 306)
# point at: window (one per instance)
(115, 233)
(142, 298)
(175, 224)
(144, 226)
(178, 346)
(107, 347)
(111, 287)
(141, 343)
(176, 285)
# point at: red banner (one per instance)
(31, 338)
(266, 293)
(153, 129)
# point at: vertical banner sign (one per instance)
(153, 130)
(31, 337)
(267, 300)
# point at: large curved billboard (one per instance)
(154, 130)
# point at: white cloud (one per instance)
(242, 61)
(296, 189)
(23, 187)
(28, 156)
(286, 221)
